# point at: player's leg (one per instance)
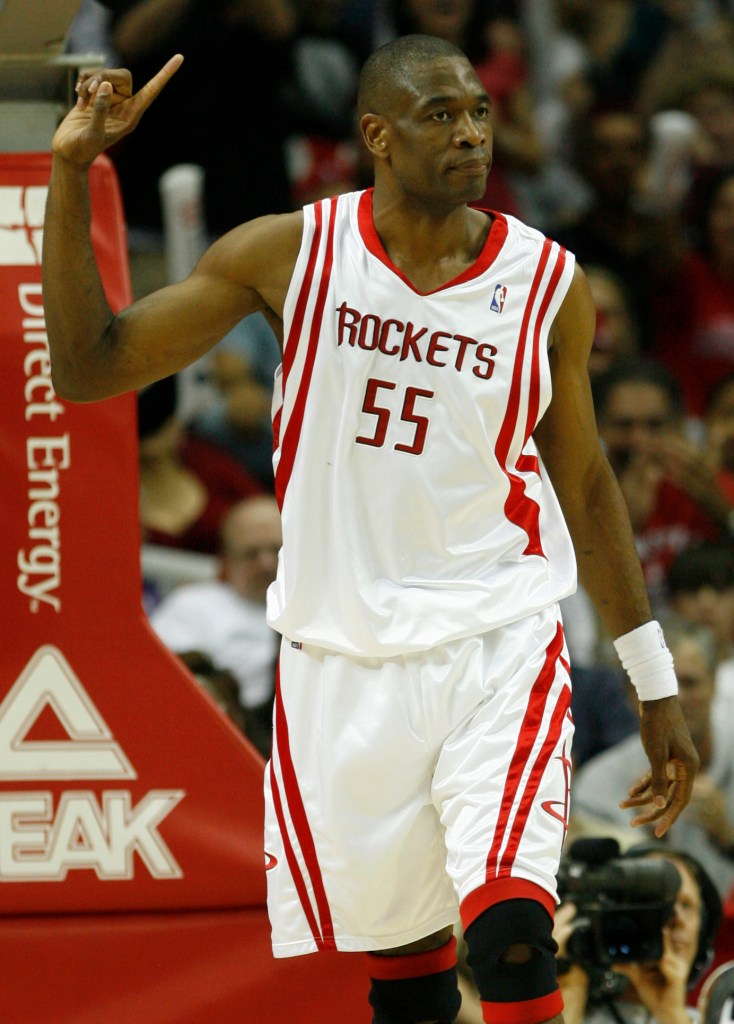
(511, 953)
(354, 846)
(416, 983)
(502, 785)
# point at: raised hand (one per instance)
(106, 110)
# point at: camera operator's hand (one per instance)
(661, 986)
(573, 982)
(673, 765)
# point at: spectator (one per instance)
(717, 995)
(623, 40)
(701, 589)
(222, 687)
(695, 317)
(247, 42)
(187, 484)
(719, 427)
(225, 620)
(617, 331)
(658, 988)
(706, 828)
(612, 149)
(241, 370)
(671, 501)
(603, 710)
(334, 39)
(89, 31)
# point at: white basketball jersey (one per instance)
(415, 507)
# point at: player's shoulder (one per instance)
(279, 228)
(526, 235)
(259, 252)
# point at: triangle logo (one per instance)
(48, 684)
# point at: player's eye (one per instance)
(440, 115)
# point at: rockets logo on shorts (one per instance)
(498, 299)
(21, 224)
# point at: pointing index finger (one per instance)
(152, 89)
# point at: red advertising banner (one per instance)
(123, 789)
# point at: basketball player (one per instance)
(433, 385)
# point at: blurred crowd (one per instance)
(613, 127)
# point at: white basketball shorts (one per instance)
(400, 790)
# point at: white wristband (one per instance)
(648, 662)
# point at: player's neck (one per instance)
(423, 241)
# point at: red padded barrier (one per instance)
(131, 861)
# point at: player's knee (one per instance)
(415, 986)
(511, 952)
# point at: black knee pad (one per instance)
(416, 987)
(506, 924)
(409, 1000)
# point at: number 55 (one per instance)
(408, 415)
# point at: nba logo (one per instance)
(498, 299)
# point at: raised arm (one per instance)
(609, 567)
(96, 354)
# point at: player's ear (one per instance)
(374, 131)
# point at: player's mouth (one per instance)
(471, 167)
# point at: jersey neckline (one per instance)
(493, 243)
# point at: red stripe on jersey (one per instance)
(533, 782)
(300, 822)
(519, 508)
(290, 856)
(292, 431)
(534, 392)
(277, 416)
(290, 344)
(528, 733)
(493, 243)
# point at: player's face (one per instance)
(438, 136)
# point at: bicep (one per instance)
(173, 327)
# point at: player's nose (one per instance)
(469, 131)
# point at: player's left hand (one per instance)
(673, 765)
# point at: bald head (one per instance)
(391, 68)
(251, 538)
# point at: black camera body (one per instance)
(622, 904)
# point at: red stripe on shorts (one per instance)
(533, 782)
(500, 889)
(301, 826)
(290, 856)
(526, 739)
